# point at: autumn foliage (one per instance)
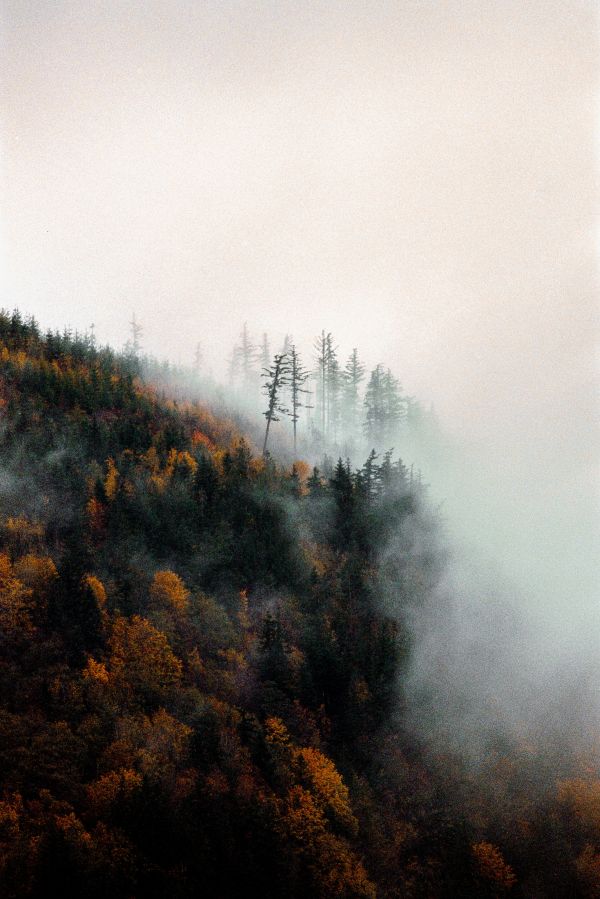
(200, 691)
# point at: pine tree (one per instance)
(375, 408)
(134, 344)
(246, 356)
(354, 373)
(321, 345)
(277, 378)
(334, 388)
(298, 377)
(394, 405)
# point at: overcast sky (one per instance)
(418, 177)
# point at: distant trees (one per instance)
(384, 406)
(134, 344)
(345, 415)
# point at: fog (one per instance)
(420, 179)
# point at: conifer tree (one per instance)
(374, 406)
(246, 355)
(276, 379)
(321, 346)
(334, 386)
(134, 344)
(298, 376)
(354, 373)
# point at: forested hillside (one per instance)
(203, 656)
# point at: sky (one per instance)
(420, 178)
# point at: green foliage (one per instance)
(200, 688)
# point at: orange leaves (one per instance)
(491, 866)
(167, 591)
(111, 480)
(200, 439)
(112, 787)
(95, 672)
(313, 813)
(14, 599)
(326, 784)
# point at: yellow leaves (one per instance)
(96, 588)
(36, 572)
(14, 598)
(303, 470)
(111, 480)
(276, 733)
(327, 786)
(303, 817)
(151, 461)
(21, 534)
(95, 672)
(167, 591)
(178, 464)
(492, 867)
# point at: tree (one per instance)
(247, 355)
(298, 377)
(321, 346)
(277, 378)
(134, 343)
(334, 385)
(197, 358)
(394, 405)
(374, 406)
(354, 373)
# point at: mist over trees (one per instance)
(206, 644)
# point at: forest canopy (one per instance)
(204, 647)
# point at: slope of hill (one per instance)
(200, 682)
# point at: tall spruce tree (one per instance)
(297, 378)
(354, 373)
(276, 380)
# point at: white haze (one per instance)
(419, 178)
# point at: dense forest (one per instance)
(205, 646)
